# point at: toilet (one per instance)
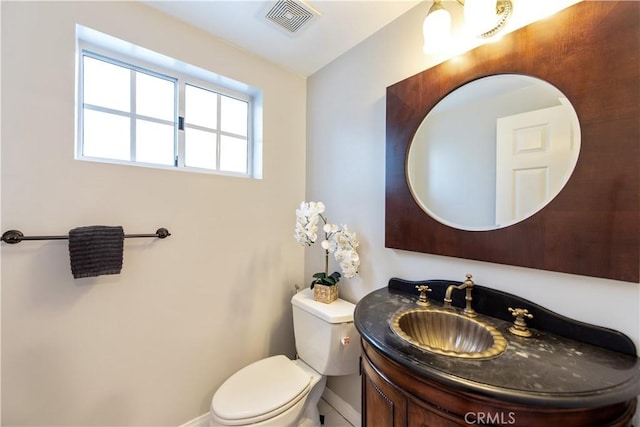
(278, 391)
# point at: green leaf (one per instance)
(322, 279)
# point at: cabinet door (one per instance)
(382, 404)
(420, 416)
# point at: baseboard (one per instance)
(201, 421)
(343, 408)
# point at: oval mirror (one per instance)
(493, 152)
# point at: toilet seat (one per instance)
(260, 391)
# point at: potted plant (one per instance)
(338, 239)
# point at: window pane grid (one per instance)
(216, 132)
(125, 114)
(150, 100)
(223, 117)
(206, 129)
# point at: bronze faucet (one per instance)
(468, 285)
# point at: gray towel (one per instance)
(96, 250)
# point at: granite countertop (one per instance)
(545, 369)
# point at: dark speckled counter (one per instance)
(546, 369)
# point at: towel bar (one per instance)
(16, 236)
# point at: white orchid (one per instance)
(307, 219)
(345, 252)
(339, 240)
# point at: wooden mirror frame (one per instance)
(591, 52)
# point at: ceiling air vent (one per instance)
(291, 15)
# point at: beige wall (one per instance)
(346, 129)
(148, 346)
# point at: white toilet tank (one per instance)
(326, 338)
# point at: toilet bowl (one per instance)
(281, 392)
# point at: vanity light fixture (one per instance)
(484, 18)
(436, 28)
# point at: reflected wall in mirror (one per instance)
(493, 152)
(590, 52)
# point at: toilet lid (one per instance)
(260, 388)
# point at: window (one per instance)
(132, 110)
(215, 130)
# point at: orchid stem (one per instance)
(326, 263)
(326, 252)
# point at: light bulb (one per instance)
(436, 29)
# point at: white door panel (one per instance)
(533, 149)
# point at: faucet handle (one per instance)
(519, 326)
(423, 300)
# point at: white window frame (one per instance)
(131, 115)
(109, 49)
(219, 133)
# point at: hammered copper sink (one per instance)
(448, 333)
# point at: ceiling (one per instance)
(337, 26)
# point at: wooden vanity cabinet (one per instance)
(394, 396)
